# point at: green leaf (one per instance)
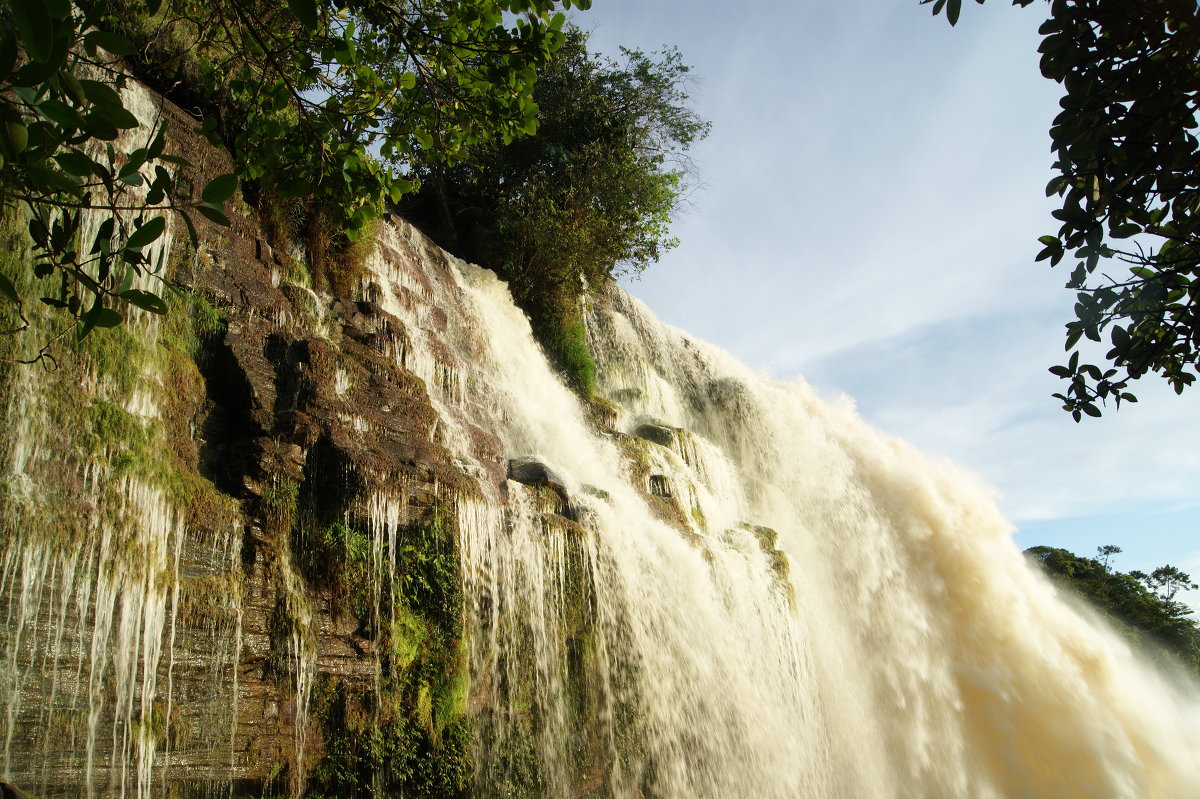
(118, 117)
(46, 178)
(16, 136)
(98, 316)
(220, 189)
(8, 289)
(100, 128)
(130, 274)
(399, 188)
(146, 233)
(296, 187)
(953, 7)
(101, 94)
(1091, 410)
(103, 239)
(191, 228)
(114, 43)
(36, 73)
(8, 53)
(75, 163)
(215, 214)
(305, 11)
(158, 144)
(145, 300)
(60, 112)
(35, 27)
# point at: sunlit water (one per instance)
(757, 596)
(911, 651)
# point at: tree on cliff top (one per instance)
(590, 196)
(1127, 159)
(328, 101)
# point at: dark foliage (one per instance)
(589, 197)
(1126, 155)
(1144, 606)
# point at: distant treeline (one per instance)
(1142, 606)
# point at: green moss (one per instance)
(768, 539)
(120, 355)
(450, 694)
(409, 636)
(115, 429)
(566, 345)
(411, 735)
(191, 322)
(279, 502)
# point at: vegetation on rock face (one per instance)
(589, 197)
(409, 733)
(1126, 151)
(1144, 606)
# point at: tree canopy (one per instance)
(1143, 606)
(589, 197)
(1126, 156)
(329, 101)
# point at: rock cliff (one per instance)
(231, 550)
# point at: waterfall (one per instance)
(704, 584)
(741, 589)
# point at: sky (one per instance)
(872, 193)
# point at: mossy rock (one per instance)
(660, 434)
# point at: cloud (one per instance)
(875, 195)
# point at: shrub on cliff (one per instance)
(590, 196)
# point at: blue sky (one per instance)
(873, 194)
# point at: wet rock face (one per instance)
(660, 434)
(291, 419)
(532, 472)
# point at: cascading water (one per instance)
(101, 572)
(710, 586)
(657, 639)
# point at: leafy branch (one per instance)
(1126, 152)
(63, 159)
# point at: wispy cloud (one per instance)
(875, 198)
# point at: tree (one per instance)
(336, 100)
(60, 112)
(1168, 580)
(325, 101)
(591, 195)
(1143, 606)
(1106, 552)
(1126, 156)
